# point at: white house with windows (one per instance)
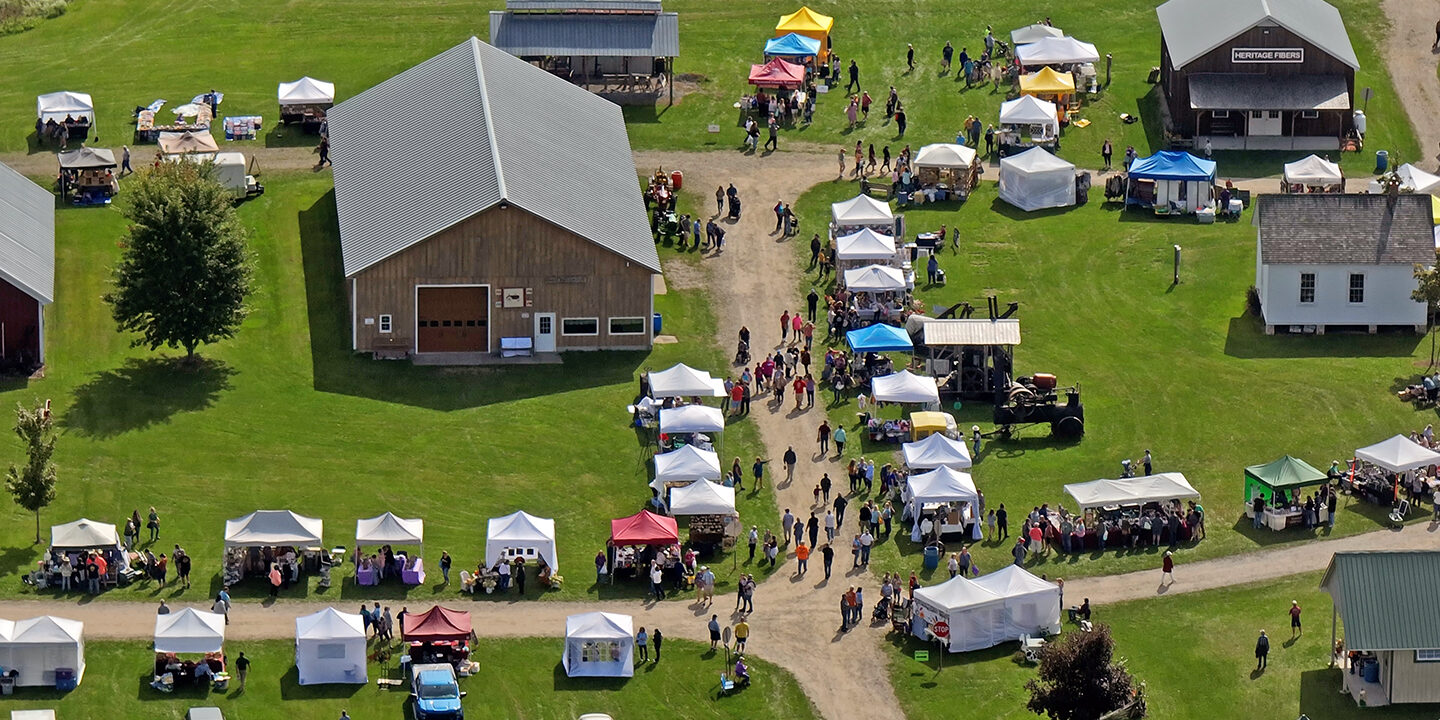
(1341, 262)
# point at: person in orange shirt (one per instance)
(802, 557)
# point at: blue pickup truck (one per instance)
(435, 693)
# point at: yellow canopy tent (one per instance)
(1047, 82)
(1435, 209)
(809, 23)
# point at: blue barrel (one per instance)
(1372, 672)
(65, 679)
(1382, 161)
(656, 322)
(932, 557)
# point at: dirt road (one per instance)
(1412, 69)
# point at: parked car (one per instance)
(435, 692)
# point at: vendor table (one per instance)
(1281, 519)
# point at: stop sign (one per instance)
(941, 629)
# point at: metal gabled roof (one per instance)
(27, 236)
(1193, 28)
(1387, 599)
(586, 35)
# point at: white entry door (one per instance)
(545, 332)
(1265, 122)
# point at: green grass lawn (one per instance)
(1181, 371)
(1194, 652)
(238, 50)
(517, 678)
(285, 417)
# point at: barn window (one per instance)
(1257, 114)
(385, 323)
(1220, 114)
(1427, 655)
(1310, 114)
(1307, 287)
(627, 326)
(1274, 114)
(580, 326)
(1357, 287)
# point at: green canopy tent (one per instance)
(1287, 473)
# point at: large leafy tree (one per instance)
(185, 274)
(33, 484)
(1079, 679)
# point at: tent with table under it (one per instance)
(1132, 492)
(189, 631)
(875, 279)
(521, 534)
(245, 537)
(1398, 454)
(390, 529)
(691, 419)
(1310, 172)
(1056, 51)
(1034, 33)
(1027, 121)
(942, 486)
(1003, 606)
(879, 338)
(936, 451)
(777, 73)
(1171, 182)
(863, 247)
(948, 164)
(681, 380)
(905, 387)
(686, 464)
(1286, 474)
(330, 648)
(306, 101)
(599, 644)
(793, 47)
(44, 651)
(184, 143)
(859, 212)
(810, 24)
(702, 497)
(1035, 180)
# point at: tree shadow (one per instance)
(1246, 338)
(144, 392)
(339, 370)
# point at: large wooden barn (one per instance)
(27, 270)
(515, 224)
(1257, 74)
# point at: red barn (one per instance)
(27, 270)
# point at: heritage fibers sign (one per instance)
(1267, 55)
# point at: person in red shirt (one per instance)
(1294, 619)
(798, 387)
(737, 393)
(1167, 570)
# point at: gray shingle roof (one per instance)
(1195, 27)
(1345, 229)
(1235, 91)
(1388, 600)
(584, 6)
(586, 35)
(27, 236)
(504, 130)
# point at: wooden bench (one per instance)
(391, 348)
(517, 347)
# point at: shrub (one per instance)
(21, 15)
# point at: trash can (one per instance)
(7, 684)
(65, 679)
(677, 179)
(932, 557)
(656, 323)
(1382, 161)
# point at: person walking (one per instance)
(910, 52)
(1167, 570)
(824, 437)
(642, 644)
(825, 487)
(125, 168)
(827, 556)
(1106, 151)
(657, 640)
(445, 563)
(900, 120)
(840, 504)
(975, 439)
(813, 527)
(802, 558)
(790, 458)
(714, 626)
(830, 526)
(242, 669)
(324, 151)
(787, 520)
(742, 633)
(773, 139)
(839, 441)
(182, 567)
(946, 54)
(657, 581)
(1295, 629)
(854, 77)
(224, 596)
(1262, 651)
(152, 523)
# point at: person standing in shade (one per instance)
(1167, 570)
(642, 644)
(910, 53)
(1295, 619)
(242, 669)
(657, 640)
(518, 573)
(1262, 651)
(714, 626)
(324, 151)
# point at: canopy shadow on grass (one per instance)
(1247, 339)
(291, 689)
(281, 135)
(144, 392)
(565, 683)
(1014, 213)
(338, 370)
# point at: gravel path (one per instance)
(1412, 70)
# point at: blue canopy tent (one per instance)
(1172, 182)
(879, 338)
(794, 47)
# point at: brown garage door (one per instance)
(453, 319)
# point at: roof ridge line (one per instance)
(489, 122)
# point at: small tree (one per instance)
(1427, 290)
(34, 484)
(184, 276)
(1078, 679)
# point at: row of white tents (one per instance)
(1004, 605)
(67, 103)
(36, 648)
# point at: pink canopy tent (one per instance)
(644, 528)
(777, 73)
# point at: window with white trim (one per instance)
(1307, 287)
(386, 323)
(580, 326)
(1220, 114)
(1274, 114)
(1357, 287)
(1427, 655)
(1310, 114)
(627, 326)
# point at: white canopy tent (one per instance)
(685, 464)
(1398, 454)
(190, 631)
(862, 210)
(936, 451)
(1035, 179)
(84, 534)
(330, 648)
(691, 418)
(702, 497)
(1028, 114)
(523, 534)
(1313, 170)
(866, 244)
(1032, 33)
(307, 91)
(57, 105)
(975, 614)
(905, 387)
(37, 647)
(1131, 491)
(389, 529)
(1413, 179)
(685, 381)
(273, 527)
(875, 278)
(599, 644)
(1032, 605)
(1056, 51)
(941, 485)
(944, 155)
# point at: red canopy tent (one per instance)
(644, 528)
(437, 624)
(777, 73)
